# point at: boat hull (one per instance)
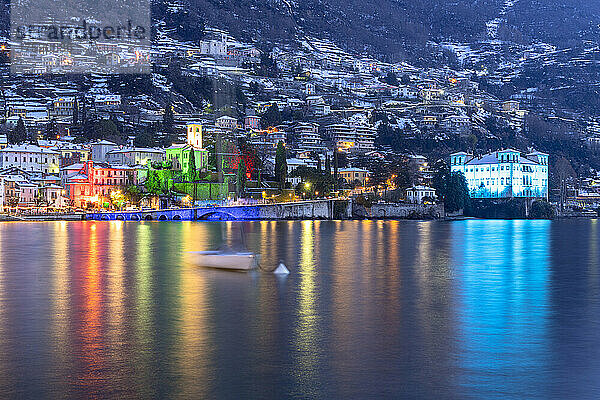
(221, 260)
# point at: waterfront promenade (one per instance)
(323, 209)
(312, 209)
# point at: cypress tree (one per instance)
(19, 134)
(191, 170)
(241, 178)
(280, 165)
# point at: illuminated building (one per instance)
(179, 155)
(416, 194)
(503, 174)
(89, 183)
(351, 137)
(135, 156)
(352, 175)
(30, 158)
(62, 106)
(306, 137)
(194, 134)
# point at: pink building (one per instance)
(88, 184)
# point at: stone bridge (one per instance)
(316, 209)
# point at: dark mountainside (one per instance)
(389, 29)
(399, 29)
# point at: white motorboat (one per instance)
(237, 261)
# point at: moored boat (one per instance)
(237, 261)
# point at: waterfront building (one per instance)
(351, 175)
(293, 164)
(92, 183)
(27, 193)
(31, 158)
(179, 156)
(70, 153)
(503, 174)
(53, 196)
(417, 194)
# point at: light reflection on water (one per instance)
(470, 309)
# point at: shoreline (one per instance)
(82, 217)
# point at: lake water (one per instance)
(371, 309)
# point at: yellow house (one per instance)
(354, 174)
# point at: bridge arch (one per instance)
(216, 216)
(176, 217)
(162, 218)
(135, 217)
(105, 217)
(120, 217)
(148, 217)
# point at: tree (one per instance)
(19, 133)
(51, 130)
(191, 170)
(132, 194)
(457, 193)
(541, 209)
(440, 178)
(192, 174)
(168, 120)
(391, 79)
(271, 117)
(314, 181)
(451, 187)
(267, 67)
(280, 165)
(563, 173)
(144, 137)
(241, 178)
(153, 183)
(75, 112)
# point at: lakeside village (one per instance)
(221, 122)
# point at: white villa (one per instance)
(505, 173)
(30, 158)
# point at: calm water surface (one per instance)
(447, 310)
